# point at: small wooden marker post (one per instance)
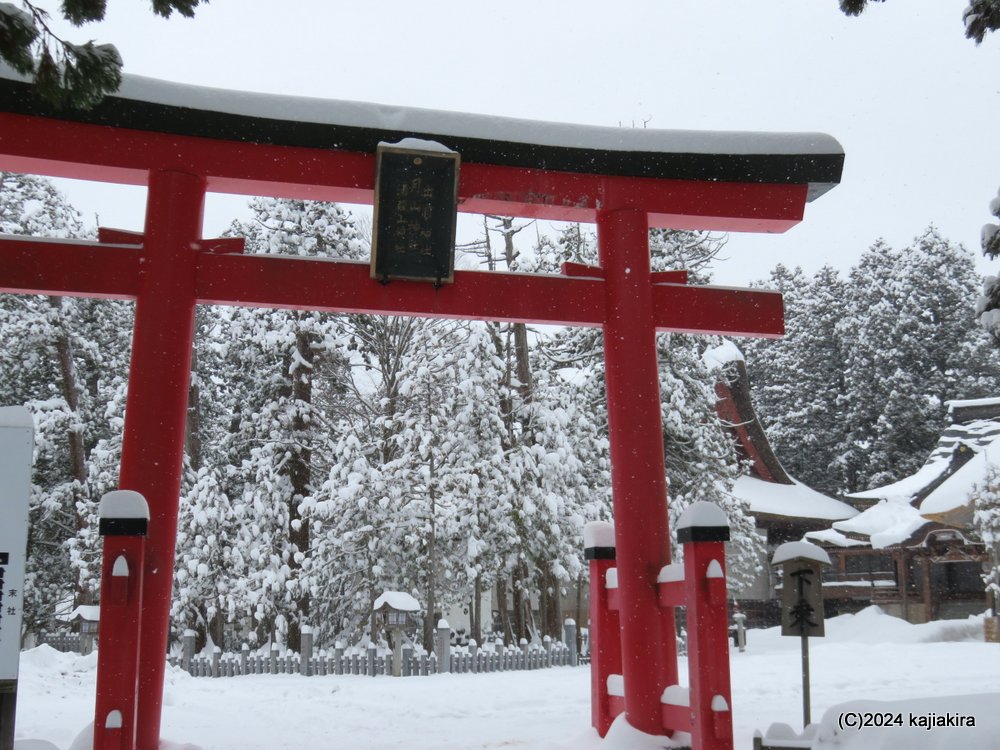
(802, 602)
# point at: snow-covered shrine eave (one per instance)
(258, 144)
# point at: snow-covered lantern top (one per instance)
(397, 610)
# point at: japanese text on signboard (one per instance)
(415, 212)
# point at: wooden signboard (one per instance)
(16, 446)
(416, 205)
(802, 598)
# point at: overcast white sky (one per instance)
(914, 103)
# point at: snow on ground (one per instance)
(865, 657)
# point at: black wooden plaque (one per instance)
(416, 205)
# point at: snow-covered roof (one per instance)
(793, 500)
(721, 355)
(907, 487)
(796, 550)
(832, 537)
(975, 425)
(950, 501)
(956, 404)
(143, 103)
(397, 600)
(958, 489)
(975, 433)
(88, 612)
(886, 523)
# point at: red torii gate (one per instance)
(183, 141)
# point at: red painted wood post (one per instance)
(156, 410)
(703, 529)
(124, 519)
(638, 482)
(605, 630)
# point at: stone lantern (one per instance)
(397, 612)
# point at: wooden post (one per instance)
(8, 711)
(569, 638)
(442, 646)
(928, 599)
(605, 631)
(902, 578)
(187, 649)
(806, 700)
(338, 657)
(305, 657)
(802, 602)
(406, 668)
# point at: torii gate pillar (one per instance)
(156, 411)
(638, 479)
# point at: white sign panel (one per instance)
(16, 445)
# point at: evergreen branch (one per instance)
(68, 75)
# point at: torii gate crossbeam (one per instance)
(183, 141)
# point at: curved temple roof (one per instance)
(813, 159)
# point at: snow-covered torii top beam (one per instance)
(263, 144)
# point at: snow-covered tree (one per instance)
(911, 344)
(66, 73)
(65, 359)
(275, 445)
(854, 395)
(775, 367)
(700, 456)
(553, 444)
(988, 304)
(211, 577)
(980, 16)
(986, 521)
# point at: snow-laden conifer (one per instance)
(700, 456)
(66, 359)
(854, 395)
(986, 522)
(274, 366)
